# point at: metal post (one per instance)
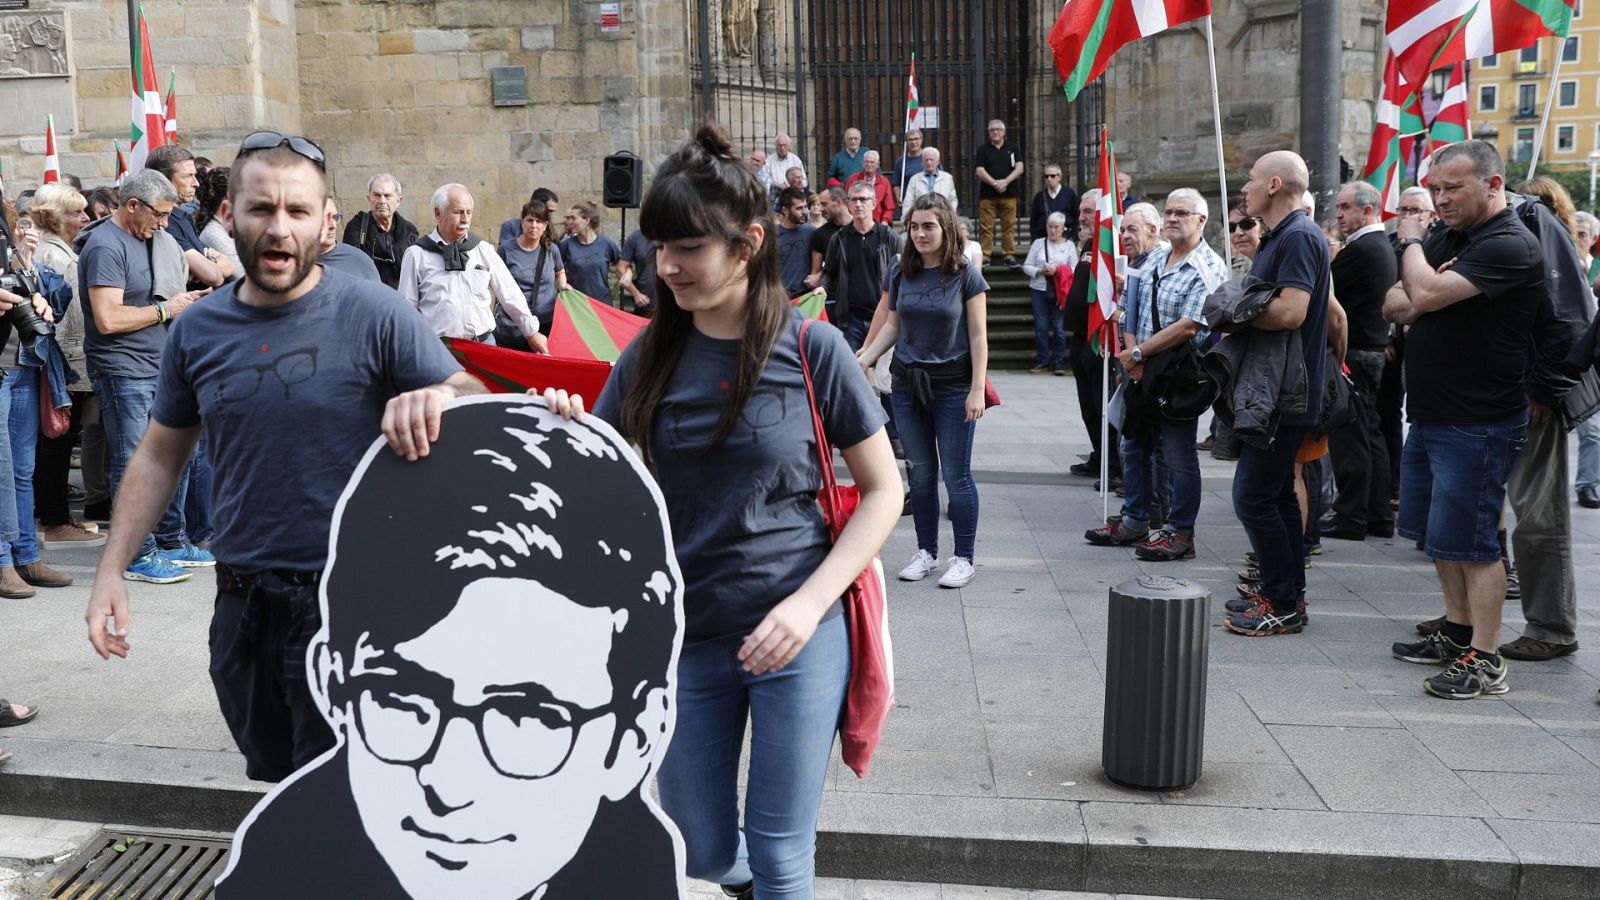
(704, 29)
(1321, 88)
(1594, 160)
(800, 93)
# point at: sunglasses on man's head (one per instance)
(1248, 223)
(268, 140)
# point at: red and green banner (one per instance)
(1088, 33)
(913, 99)
(586, 328)
(1430, 34)
(170, 126)
(149, 124)
(122, 162)
(505, 371)
(1452, 123)
(813, 305)
(1107, 247)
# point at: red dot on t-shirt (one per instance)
(724, 385)
(263, 348)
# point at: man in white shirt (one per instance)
(780, 162)
(455, 280)
(931, 180)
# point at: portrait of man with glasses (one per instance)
(498, 666)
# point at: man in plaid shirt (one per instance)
(1162, 309)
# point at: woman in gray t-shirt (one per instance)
(713, 394)
(522, 256)
(936, 325)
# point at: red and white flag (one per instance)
(1088, 33)
(1430, 34)
(1452, 123)
(1398, 115)
(171, 108)
(149, 125)
(52, 162)
(122, 162)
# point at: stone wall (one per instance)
(235, 62)
(404, 86)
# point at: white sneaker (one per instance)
(959, 574)
(922, 565)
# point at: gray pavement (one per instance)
(1328, 772)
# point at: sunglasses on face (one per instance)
(1248, 223)
(267, 140)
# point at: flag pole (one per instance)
(1105, 424)
(1216, 122)
(133, 34)
(905, 173)
(1549, 101)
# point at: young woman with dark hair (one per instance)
(589, 255)
(712, 393)
(536, 263)
(936, 325)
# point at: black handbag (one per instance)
(506, 332)
(1187, 389)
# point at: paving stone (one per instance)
(71, 718)
(1557, 798)
(1249, 785)
(1053, 758)
(1039, 685)
(1235, 735)
(935, 715)
(1289, 703)
(1486, 737)
(935, 772)
(1375, 770)
(1022, 632)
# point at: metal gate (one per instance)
(813, 68)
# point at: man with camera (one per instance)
(132, 274)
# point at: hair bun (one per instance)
(714, 141)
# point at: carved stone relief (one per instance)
(33, 44)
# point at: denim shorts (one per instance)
(1453, 486)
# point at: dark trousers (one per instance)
(260, 628)
(1264, 501)
(52, 467)
(1360, 451)
(1392, 410)
(1086, 372)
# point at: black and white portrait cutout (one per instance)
(498, 658)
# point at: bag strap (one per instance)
(830, 482)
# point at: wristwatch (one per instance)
(1138, 355)
(1406, 242)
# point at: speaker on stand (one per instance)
(622, 184)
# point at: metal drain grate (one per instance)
(145, 865)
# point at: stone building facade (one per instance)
(382, 85)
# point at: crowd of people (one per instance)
(176, 333)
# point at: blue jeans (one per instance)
(1453, 486)
(8, 498)
(1264, 501)
(794, 714)
(1176, 445)
(125, 412)
(1049, 332)
(1588, 453)
(197, 504)
(939, 442)
(22, 384)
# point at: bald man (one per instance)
(1294, 256)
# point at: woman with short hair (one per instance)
(1049, 253)
(589, 255)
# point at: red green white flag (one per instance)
(812, 305)
(913, 99)
(1088, 33)
(122, 162)
(1430, 34)
(52, 162)
(506, 371)
(1452, 123)
(170, 108)
(586, 328)
(1398, 114)
(1107, 247)
(149, 125)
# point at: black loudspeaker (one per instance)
(622, 181)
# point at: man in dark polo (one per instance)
(1362, 273)
(381, 232)
(1470, 293)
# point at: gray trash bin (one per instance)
(1157, 644)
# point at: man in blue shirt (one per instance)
(1293, 256)
(794, 241)
(207, 267)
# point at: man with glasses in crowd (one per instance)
(132, 274)
(293, 342)
(907, 166)
(852, 269)
(381, 232)
(1054, 197)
